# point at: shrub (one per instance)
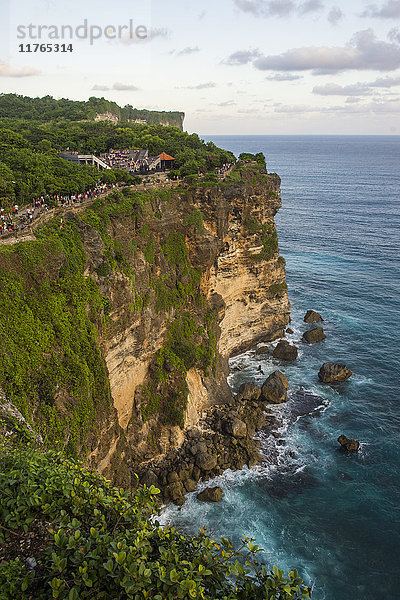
(103, 543)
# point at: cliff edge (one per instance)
(118, 322)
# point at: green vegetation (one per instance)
(269, 240)
(50, 314)
(277, 289)
(181, 284)
(91, 540)
(188, 345)
(196, 219)
(50, 109)
(259, 158)
(33, 131)
(251, 225)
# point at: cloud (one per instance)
(7, 70)
(335, 15)
(188, 50)
(310, 6)
(227, 103)
(119, 87)
(152, 34)
(363, 52)
(242, 57)
(333, 89)
(278, 8)
(125, 87)
(394, 35)
(294, 108)
(199, 86)
(356, 89)
(390, 10)
(283, 77)
(101, 88)
(386, 82)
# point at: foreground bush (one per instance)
(66, 533)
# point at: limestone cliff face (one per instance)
(132, 307)
(230, 236)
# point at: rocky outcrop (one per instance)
(212, 494)
(262, 351)
(224, 439)
(334, 373)
(312, 317)
(348, 444)
(248, 391)
(313, 336)
(275, 388)
(285, 351)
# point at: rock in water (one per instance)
(334, 373)
(312, 317)
(262, 350)
(289, 331)
(275, 388)
(213, 494)
(314, 335)
(348, 443)
(248, 391)
(285, 351)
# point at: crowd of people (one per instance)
(133, 161)
(222, 170)
(14, 220)
(128, 160)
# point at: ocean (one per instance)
(334, 516)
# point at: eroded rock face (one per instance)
(213, 494)
(285, 351)
(312, 316)
(334, 373)
(243, 288)
(348, 444)
(275, 388)
(313, 336)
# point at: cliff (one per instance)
(97, 109)
(130, 310)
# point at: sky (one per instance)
(233, 66)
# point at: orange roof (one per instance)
(164, 156)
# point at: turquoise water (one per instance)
(336, 517)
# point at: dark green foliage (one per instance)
(148, 251)
(29, 147)
(49, 109)
(269, 241)
(103, 544)
(49, 313)
(281, 261)
(277, 289)
(196, 219)
(258, 158)
(187, 346)
(251, 225)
